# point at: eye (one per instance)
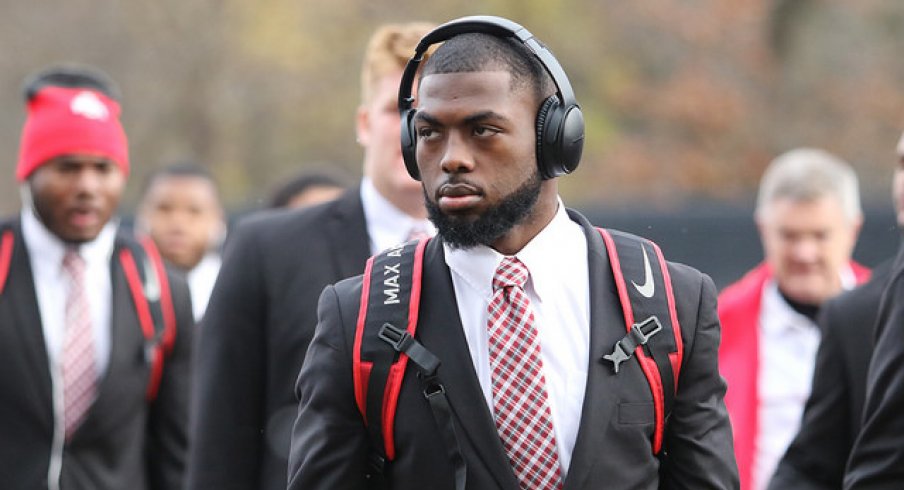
(485, 131)
(426, 133)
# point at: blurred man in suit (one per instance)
(833, 415)
(808, 215)
(93, 396)
(181, 211)
(262, 313)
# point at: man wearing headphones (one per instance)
(261, 314)
(517, 304)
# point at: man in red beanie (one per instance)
(94, 333)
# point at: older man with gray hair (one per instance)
(808, 216)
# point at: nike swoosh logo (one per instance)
(648, 287)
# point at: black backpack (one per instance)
(385, 340)
(149, 287)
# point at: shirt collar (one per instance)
(387, 225)
(42, 243)
(553, 250)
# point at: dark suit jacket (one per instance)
(832, 416)
(877, 458)
(330, 444)
(124, 442)
(260, 319)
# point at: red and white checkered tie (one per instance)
(79, 372)
(522, 414)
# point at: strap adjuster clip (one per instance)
(639, 335)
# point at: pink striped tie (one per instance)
(79, 372)
(523, 418)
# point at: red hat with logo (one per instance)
(70, 112)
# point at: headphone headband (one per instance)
(494, 26)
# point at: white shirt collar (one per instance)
(781, 316)
(41, 242)
(549, 253)
(387, 225)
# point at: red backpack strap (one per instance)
(7, 241)
(390, 294)
(651, 320)
(153, 304)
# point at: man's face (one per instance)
(807, 243)
(477, 158)
(182, 214)
(378, 129)
(76, 195)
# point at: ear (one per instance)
(362, 125)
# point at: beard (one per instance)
(467, 232)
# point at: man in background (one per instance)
(262, 313)
(808, 216)
(181, 211)
(308, 188)
(91, 398)
(833, 415)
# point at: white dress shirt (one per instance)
(559, 290)
(45, 252)
(387, 225)
(787, 355)
(200, 283)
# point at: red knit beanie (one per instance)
(67, 121)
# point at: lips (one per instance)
(456, 197)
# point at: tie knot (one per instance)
(72, 261)
(511, 272)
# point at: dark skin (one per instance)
(476, 145)
(76, 195)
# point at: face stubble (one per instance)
(465, 231)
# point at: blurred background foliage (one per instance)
(685, 99)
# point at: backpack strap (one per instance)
(384, 342)
(150, 290)
(7, 241)
(651, 319)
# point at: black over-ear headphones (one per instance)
(560, 123)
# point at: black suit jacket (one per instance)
(877, 458)
(613, 449)
(124, 442)
(831, 420)
(260, 319)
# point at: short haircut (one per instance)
(482, 52)
(283, 194)
(181, 169)
(805, 174)
(388, 51)
(71, 76)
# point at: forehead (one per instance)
(489, 89)
(822, 212)
(192, 185)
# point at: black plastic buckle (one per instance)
(639, 334)
(396, 337)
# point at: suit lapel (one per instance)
(347, 231)
(441, 332)
(606, 328)
(26, 324)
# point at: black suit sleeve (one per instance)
(877, 459)
(816, 457)
(230, 378)
(329, 440)
(698, 438)
(168, 418)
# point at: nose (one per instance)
(457, 157)
(805, 250)
(88, 181)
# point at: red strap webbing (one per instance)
(6, 256)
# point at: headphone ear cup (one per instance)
(560, 138)
(409, 144)
(543, 160)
